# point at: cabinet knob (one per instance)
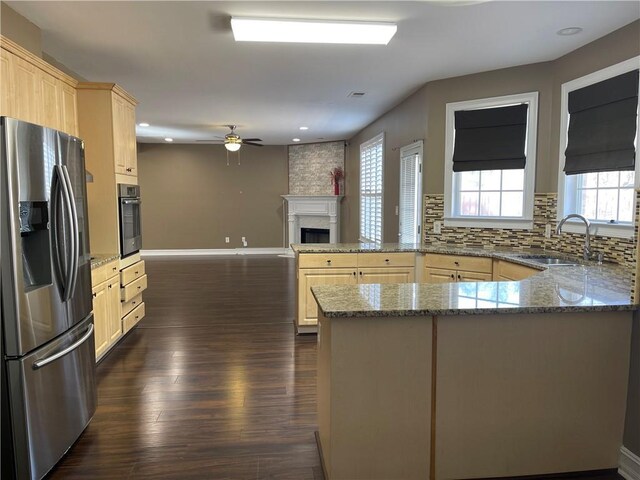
(133, 303)
(354, 274)
(328, 261)
(139, 287)
(95, 294)
(110, 286)
(456, 263)
(459, 277)
(360, 273)
(137, 317)
(452, 276)
(114, 268)
(135, 273)
(386, 260)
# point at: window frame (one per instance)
(450, 185)
(374, 140)
(566, 182)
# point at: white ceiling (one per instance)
(180, 61)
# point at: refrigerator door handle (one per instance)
(71, 260)
(66, 351)
(56, 196)
(75, 234)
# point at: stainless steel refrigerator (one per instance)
(48, 362)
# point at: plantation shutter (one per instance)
(371, 162)
(409, 209)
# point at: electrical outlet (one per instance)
(437, 227)
(244, 239)
(547, 231)
(397, 210)
(226, 239)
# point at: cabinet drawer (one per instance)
(129, 274)
(133, 289)
(129, 321)
(126, 307)
(327, 260)
(404, 259)
(456, 262)
(103, 272)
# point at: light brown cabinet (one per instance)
(106, 120)
(133, 281)
(34, 91)
(504, 271)
(345, 269)
(106, 307)
(441, 268)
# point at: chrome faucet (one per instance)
(587, 252)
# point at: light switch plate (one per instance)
(547, 231)
(437, 227)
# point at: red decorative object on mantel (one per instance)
(337, 174)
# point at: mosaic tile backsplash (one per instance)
(310, 166)
(618, 250)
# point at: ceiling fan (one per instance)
(232, 141)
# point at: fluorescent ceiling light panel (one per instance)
(311, 31)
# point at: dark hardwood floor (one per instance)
(213, 384)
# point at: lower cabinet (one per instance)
(441, 268)
(364, 268)
(133, 281)
(106, 311)
(504, 271)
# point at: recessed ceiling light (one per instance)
(311, 31)
(296, 139)
(569, 31)
(143, 124)
(304, 128)
(168, 139)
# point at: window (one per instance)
(490, 156)
(371, 164)
(410, 209)
(598, 172)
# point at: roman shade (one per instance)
(602, 126)
(490, 138)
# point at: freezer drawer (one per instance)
(52, 399)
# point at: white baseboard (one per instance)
(214, 251)
(629, 465)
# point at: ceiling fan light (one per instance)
(311, 31)
(232, 146)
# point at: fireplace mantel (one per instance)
(325, 208)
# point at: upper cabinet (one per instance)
(34, 91)
(108, 114)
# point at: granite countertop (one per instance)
(585, 287)
(99, 259)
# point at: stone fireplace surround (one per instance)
(313, 211)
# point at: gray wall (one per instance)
(422, 116)
(192, 199)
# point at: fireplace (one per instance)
(313, 212)
(314, 235)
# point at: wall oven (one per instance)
(130, 227)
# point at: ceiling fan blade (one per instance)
(252, 144)
(252, 140)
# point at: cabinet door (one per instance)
(507, 271)
(386, 275)
(100, 318)
(113, 302)
(27, 91)
(69, 105)
(51, 101)
(131, 166)
(119, 134)
(307, 278)
(463, 276)
(439, 275)
(7, 85)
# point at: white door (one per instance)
(410, 208)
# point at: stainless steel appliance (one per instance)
(130, 228)
(48, 392)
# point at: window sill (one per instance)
(490, 222)
(600, 229)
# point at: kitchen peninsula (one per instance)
(473, 379)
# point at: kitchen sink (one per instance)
(549, 260)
